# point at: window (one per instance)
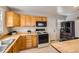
(1, 23)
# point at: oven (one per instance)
(43, 38)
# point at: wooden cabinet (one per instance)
(10, 50)
(33, 21)
(28, 41)
(24, 42)
(44, 19)
(22, 20)
(20, 43)
(34, 41)
(38, 18)
(16, 46)
(17, 20)
(31, 41)
(28, 20)
(12, 19)
(41, 18)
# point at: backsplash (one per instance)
(22, 29)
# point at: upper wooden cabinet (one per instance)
(44, 19)
(12, 19)
(22, 20)
(28, 20)
(41, 18)
(33, 21)
(38, 18)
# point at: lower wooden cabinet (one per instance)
(24, 42)
(28, 41)
(34, 41)
(15, 47)
(31, 41)
(10, 50)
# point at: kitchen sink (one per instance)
(2, 48)
(4, 44)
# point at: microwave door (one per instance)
(41, 24)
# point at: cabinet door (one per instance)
(10, 50)
(20, 43)
(16, 47)
(28, 20)
(12, 19)
(38, 18)
(33, 21)
(23, 20)
(16, 20)
(28, 41)
(9, 18)
(24, 42)
(34, 41)
(41, 18)
(44, 19)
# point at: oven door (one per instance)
(43, 38)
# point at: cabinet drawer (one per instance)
(29, 40)
(29, 43)
(29, 46)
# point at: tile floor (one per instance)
(48, 49)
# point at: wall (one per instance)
(22, 29)
(52, 27)
(4, 9)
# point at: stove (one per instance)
(43, 39)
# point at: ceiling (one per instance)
(46, 10)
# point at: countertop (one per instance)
(15, 37)
(70, 46)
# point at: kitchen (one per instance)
(33, 30)
(31, 27)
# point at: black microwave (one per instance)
(41, 24)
